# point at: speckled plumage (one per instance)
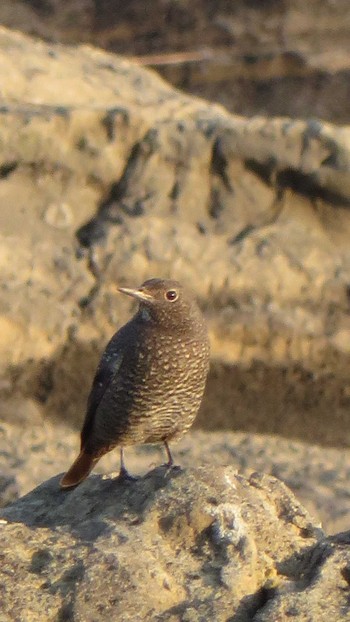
(151, 377)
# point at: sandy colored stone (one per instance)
(271, 58)
(110, 176)
(211, 540)
(322, 593)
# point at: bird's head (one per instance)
(165, 301)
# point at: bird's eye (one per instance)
(171, 295)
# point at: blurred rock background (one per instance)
(271, 57)
(109, 175)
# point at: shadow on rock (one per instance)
(88, 509)
(61, 383)
(290, 401)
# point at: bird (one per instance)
(150, 380)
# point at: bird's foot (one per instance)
(124, 476)
(170, 466)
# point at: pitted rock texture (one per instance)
(196, 544)
(323, 592)
(103, 158)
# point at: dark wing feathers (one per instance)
(107, 369)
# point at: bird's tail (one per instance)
(79, 470)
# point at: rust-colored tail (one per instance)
(79, 470)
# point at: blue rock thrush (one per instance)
(150, 380)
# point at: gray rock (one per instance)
(189, 544)
(322, 591)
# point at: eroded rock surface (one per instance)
(194, 544)
(103, 157)
(322, 593)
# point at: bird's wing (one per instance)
(107, 369)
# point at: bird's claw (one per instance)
(124, 476)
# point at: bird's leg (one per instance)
(170, 462)
(124, 475)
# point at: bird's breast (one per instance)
(157, 390)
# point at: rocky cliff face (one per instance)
(103, 161)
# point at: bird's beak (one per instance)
(136, 293)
